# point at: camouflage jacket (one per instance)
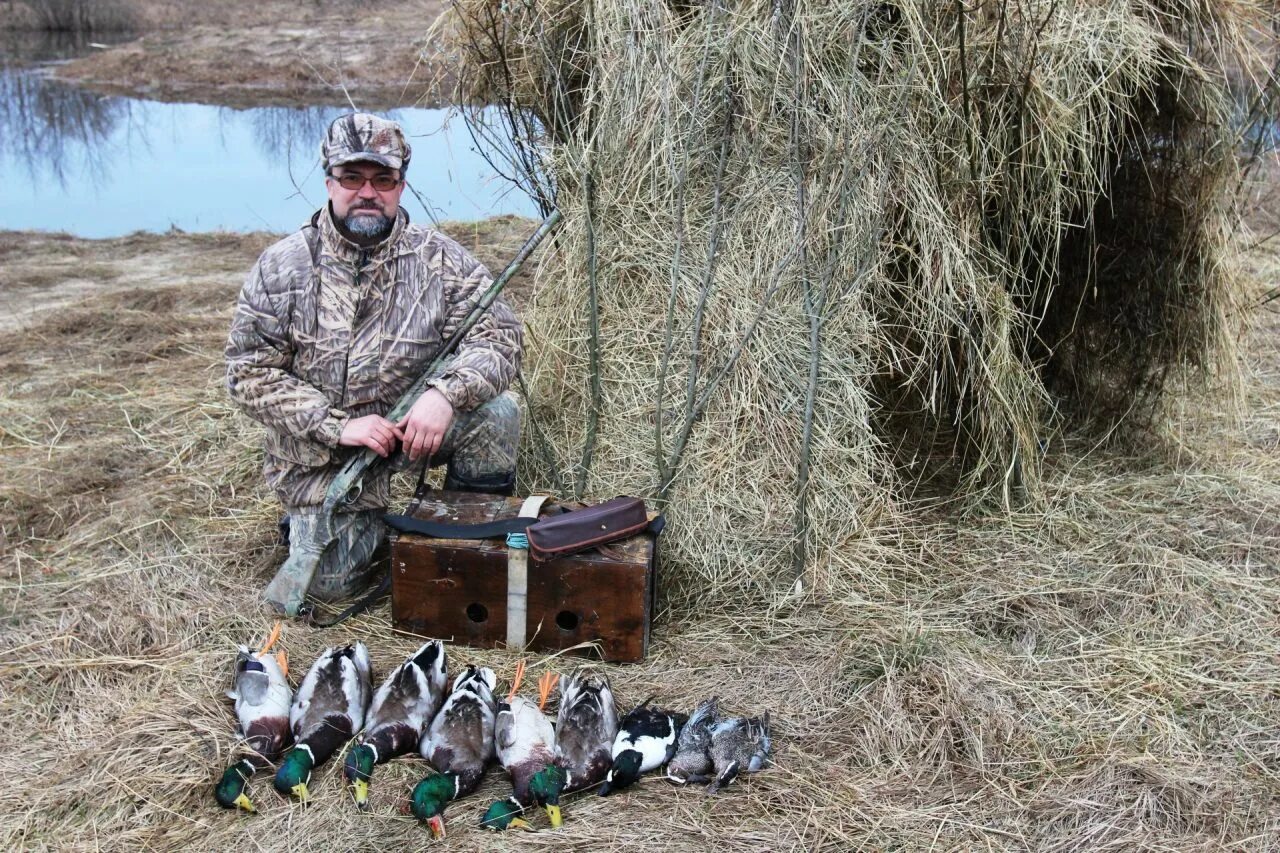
(325, 331)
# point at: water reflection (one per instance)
(46, 127)
(296, 131)
(100, 165)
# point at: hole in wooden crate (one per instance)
(567, 620)
(477, 612)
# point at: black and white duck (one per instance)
(525, 741)
(261, 694)
(459, 744)
(738, 745)
(403, 706)
(646, 741)
(692, 761)
(586, 726)
(327, 711)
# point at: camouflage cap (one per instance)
(361, 137)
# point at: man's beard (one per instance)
(367, 227)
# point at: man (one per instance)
(333, 325)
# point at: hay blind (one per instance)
(820, 255)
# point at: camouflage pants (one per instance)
(480, 451)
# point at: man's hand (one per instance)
(372, 431)
(425, 425)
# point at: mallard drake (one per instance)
(459, 745)
(645, 741)
(261, 694)
(503, 815)
(327, 711)
(524, 737)
(692, 761)
(585, 730)
(401, 709)
(738, 745)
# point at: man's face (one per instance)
(365, 211)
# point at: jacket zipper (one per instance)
(362, 260)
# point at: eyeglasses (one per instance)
(356, 181)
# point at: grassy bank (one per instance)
(171, 14)
(283, 53)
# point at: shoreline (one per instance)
(239, 55)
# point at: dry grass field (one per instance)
(1099, 672)
(1102, 674)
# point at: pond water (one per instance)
(102, 166)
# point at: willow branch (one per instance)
(681, 181)
(593, 344)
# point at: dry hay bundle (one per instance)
(816, 253)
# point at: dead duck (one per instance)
(262, 695)
(524, 739)
(401, 709)
(692, 761)
(586, 726)
(503, 815)
(327, 711)
(738, 745)
(646, 741)
(459, 744)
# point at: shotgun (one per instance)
(289, 587)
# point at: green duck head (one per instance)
(504, 814)
(230, 790)
(625, 771)
(295, 772)
(546, 786)
(357, 770)
(429, 799)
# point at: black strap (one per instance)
(487, 530)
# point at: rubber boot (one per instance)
(495, 484)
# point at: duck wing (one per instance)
(460, 739)
(336, 687)
(738, 745)
(586, 727)
(262, 698)
(406, 701)
(525, 741)
(692, 761)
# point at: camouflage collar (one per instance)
(338, 245)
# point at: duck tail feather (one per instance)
(271, 638)
(545, 685)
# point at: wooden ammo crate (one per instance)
(456, 589)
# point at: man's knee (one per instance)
(484, 457)
(502, 415)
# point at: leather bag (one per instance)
(581, 529)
